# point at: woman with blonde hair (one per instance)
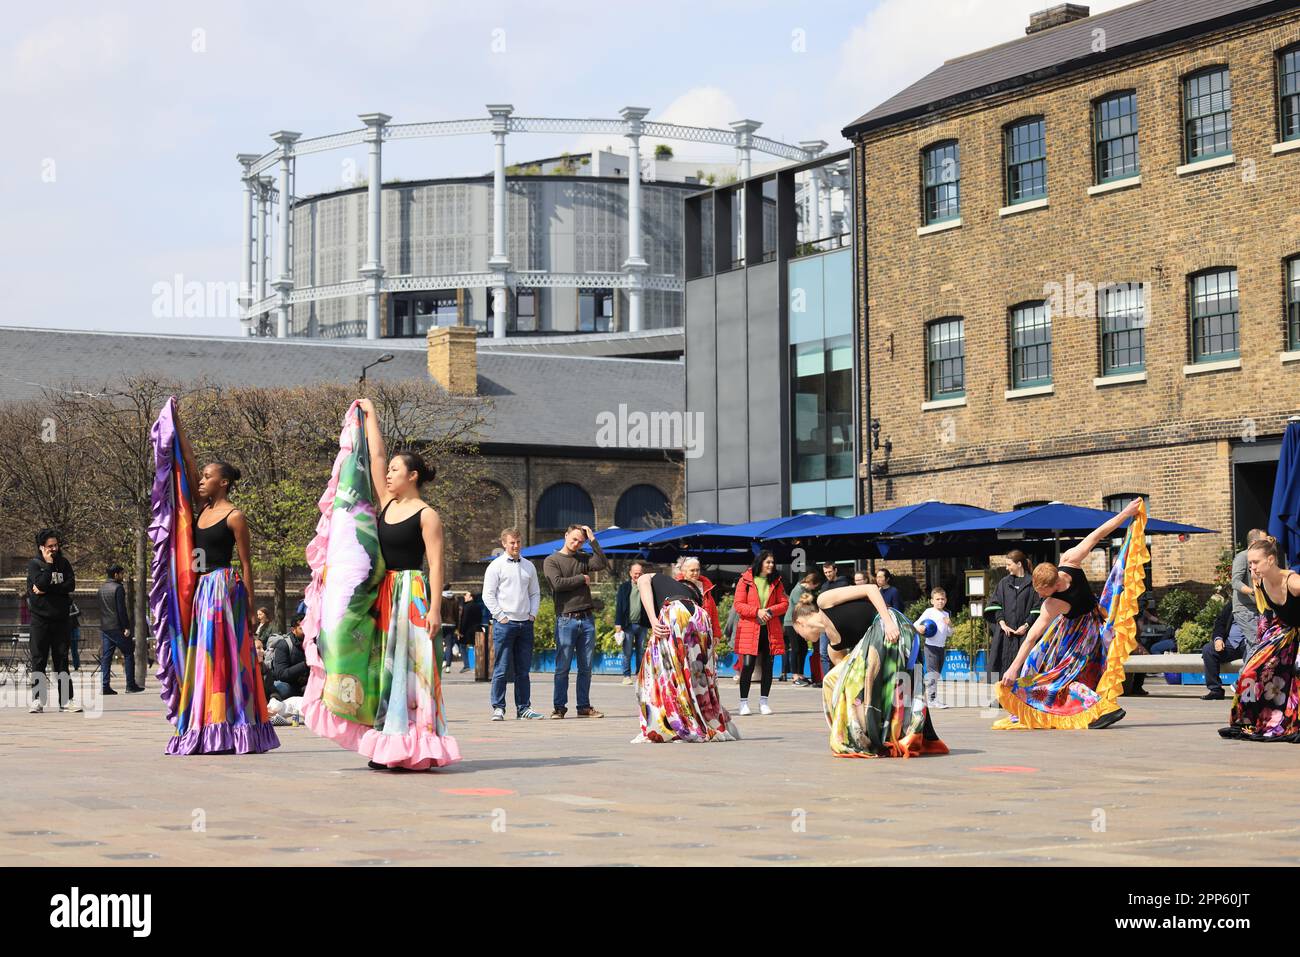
(1071, 663)
(1266, 706)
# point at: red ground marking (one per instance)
(477, 792)
(1006, 769)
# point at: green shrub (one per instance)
(1205, 617)
(1191, 637)
(1177, 606)
(722, 644)
(913, 611)
(544, 626)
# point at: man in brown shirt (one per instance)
(569, 572)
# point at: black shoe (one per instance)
(1106, 720)
(133, 690)
(1137, 693)
(107, 691)
(376, 766)
(1213, 696)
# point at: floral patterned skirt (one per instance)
(1266, 706)
(677, 685)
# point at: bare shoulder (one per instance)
(430, 519)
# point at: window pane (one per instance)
(1208, 114)
(941, 168)
(946, 348)
(1289, 91)
(1031, 345)
(1121, 308)
(1115, 120)
(1026, 158)
(1293, 304)
(1214, 315)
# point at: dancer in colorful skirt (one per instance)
(202, 608)
(1266, 706)
(872, 696)
(372, 615)
(1071, 678)
(677, 684)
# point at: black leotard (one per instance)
(401, 543)
(214, 544)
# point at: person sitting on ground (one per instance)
(289, 669)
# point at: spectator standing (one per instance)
(512, 595)
(795, 647)
(569, 572)
(936, 639)
(1244, 611)
(468, 626)
(760, 602)
(629, 622)
(50, 582)
(1017, 604)
(115, 631)
(885, 582)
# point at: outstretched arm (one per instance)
(1075, 556)
(188, 462)
(378, 454)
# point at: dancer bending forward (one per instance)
(1072, 677)
(677, 684)
(1266, 706)
(872, 696)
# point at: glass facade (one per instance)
(1115, 126)
(414, 314)
(823, 209)
(1026, 160)
(821, 369)
(1121, 309)
(1215, 328)
(595, 310)
(1207, 114)
(941, 173)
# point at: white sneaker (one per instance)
(627, 680)
(938, 705)
(498, 714)
(744, 709)
(71, 707)
(764, 709)
(36, 708)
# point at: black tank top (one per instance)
(1078, 596)
(402, 543)
(1289, 610)
(215, 544)
(665, 588)
(851, 620)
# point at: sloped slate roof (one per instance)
(536, 400)
(1061, 49)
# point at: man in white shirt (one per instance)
(512, 595)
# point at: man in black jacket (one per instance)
(115, 631)
(289, 668)
(50, 582)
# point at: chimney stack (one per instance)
(1055, 16)
(453, 358)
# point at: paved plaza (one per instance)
(1159, 788)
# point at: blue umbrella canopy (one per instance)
(1284, 513)
(1052, 519)
(893, 521)
(744, 535)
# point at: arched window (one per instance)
(643, 506)
(562, 505)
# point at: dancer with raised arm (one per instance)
(1072, 676)
(1266, 706)
(202, 607)
(677, 685)
(372, 615)
(872, 695)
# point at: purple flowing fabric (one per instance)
(163, 596)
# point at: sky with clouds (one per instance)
(125, 118)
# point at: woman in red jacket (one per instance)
(760, 603)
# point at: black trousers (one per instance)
(1214, 660)
(796, 649)
(1002, 652)
(764, 660)
(51, 638)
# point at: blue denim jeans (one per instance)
(109, 641)
(574, 637)
(512, 650)
(823, 649)
(633, 642)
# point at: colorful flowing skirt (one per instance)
(1076, 671)
(220, 702)
(678, 683)
(873, 699)
(1266, 706)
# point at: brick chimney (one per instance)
(1055, 16)
(453, 358)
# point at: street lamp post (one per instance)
(386, 357)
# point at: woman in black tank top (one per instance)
(1070, 667)
(872, 697)
(677, 687)
(212, 676)
(1265, 706)
(379, 691)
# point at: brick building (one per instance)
(1079, 255)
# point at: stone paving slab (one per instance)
(1159, 788)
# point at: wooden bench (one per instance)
(1158, 664)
